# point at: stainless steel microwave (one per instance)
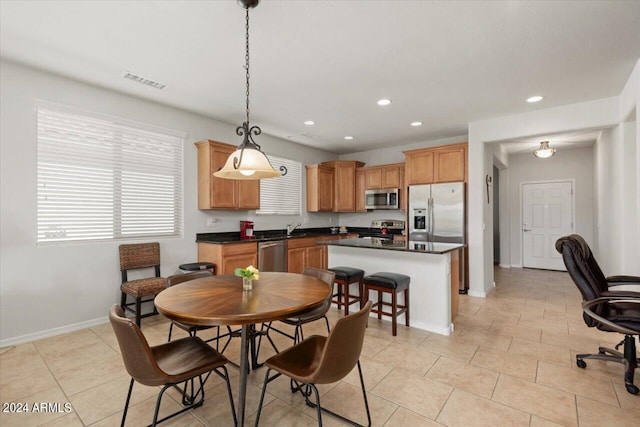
(382, 199)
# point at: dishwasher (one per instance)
(272, 256)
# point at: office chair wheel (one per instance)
(632, 388)
(581, 363)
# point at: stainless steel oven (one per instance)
(382, 199)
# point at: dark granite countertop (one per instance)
(271, 235)
(397, 245)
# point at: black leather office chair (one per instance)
(605, 305)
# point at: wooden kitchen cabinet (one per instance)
(361, 185)
(344, 184)
(303, 252)
(331, 186)
(218, 193)
(384, 176)
(230, 256)
(447, 163)
(320, 188)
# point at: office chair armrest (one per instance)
(622, 280)
(586, 308)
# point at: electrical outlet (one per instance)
(211, 222)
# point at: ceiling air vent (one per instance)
(143, 80)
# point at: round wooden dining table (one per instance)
(220, 300)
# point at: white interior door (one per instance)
(547, 215)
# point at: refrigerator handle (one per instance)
(430, 228)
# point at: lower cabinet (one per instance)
(230, 256)
(303, 253)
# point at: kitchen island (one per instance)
(432, 266)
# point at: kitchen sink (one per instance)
(297, 235)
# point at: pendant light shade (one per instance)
(248, 161)
(254, 165)
(544, 150)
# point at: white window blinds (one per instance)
(281, 196)
(101, 178)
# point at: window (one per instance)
(281, 196)
(101, 178)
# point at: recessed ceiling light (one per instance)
(416, 123)
(309, 122)
(384, 101)
(536, 98)
(348, 137)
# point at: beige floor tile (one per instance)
(596, 414)
(107, 399)
(577, 381)
(23, 383)
(507, 363)
(76, 379)
(408, 357)
(527, 332)
(373, 372)
(469, 378)
(54, 346)
(485, 340)
(626, 399)
(414, 392)
(347, 400)
(278, 414)
(68, 420)
(75, 356)
(550, 353)
(547, 403)
(540, 422)
(141, 414)
(485, 412)
(403, 417)
(450, 347)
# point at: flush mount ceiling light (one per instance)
(416, 124)
(309, 122)
(384, 101)
(544, 150)
(536, 98)
(248, 161)
(348, 138)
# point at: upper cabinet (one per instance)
(320, 186)
(384, 176)
(341, 187)
(447, 163)
(218, 193)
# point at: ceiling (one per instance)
(443, 63)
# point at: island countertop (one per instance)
(397, 245)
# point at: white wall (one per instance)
(65, 286)
(574, 164)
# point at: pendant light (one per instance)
(544, 150)
(248, 161)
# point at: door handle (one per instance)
(526, 229)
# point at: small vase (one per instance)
(247, 284)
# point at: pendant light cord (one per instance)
(246, 63)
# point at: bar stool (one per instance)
(345, 276)
(198, 266)
(390, 283)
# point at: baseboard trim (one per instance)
(516, 265)
(504, 265)
(477, 294)
(21, 339)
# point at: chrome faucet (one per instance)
(291, 227)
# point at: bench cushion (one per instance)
(388, 280)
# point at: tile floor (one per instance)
(510, 362)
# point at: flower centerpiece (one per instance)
(248, 275)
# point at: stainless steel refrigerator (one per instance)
(437, 214)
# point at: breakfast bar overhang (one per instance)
(433, 268)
